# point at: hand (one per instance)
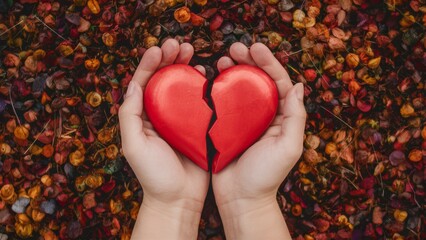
(245, 191)
(174, 187)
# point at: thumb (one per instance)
(130, 115)
(293, 126)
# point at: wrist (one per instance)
(241, 207)
(175, 220)
(253, 219)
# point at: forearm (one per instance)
(163, 221)
(249, 219)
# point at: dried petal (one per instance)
(374, 63)
(94, 7)
(48, 207)
(415, 155)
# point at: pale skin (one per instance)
(245, 191)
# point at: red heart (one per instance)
(174, 103)
(245, 100)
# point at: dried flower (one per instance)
(310, 74)
(399, 215)
(407, 110)
(46, 180)
(76, 158)
(182, 14)
(94, 7)
(37, 215)
(304, 168)
(80, 183)
(298, 15)
(24, 230)
(274, 40)
(94, 99)
(150, 41)
(92, 64)
(5, 149)
(109, 39)
(415, 155)
(296, 210)
(7, 194)
(374, 63)
(352, 60)
(34, 192)
(111, 151)
(115, 206)
(105, 135)
(330, 148)
(407, 20)
(127, 194)
(94, 181)
(47, 150)
(89, 200)
(21, 132)
(312, 141)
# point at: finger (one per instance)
(241, 54)
(147, 66)
(264, 58)
(170, 51)
(224, 63)
(294, 118)
(131, 126)
(201, 69)
(185, 54)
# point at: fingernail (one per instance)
(130, 89)
(300, 91)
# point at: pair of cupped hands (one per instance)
(245, 191)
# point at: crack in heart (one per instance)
(244, 101)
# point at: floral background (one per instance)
(64, 66)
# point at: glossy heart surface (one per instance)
(245, 102)
(174, 103)
(245, 99)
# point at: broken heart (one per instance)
(245, 101)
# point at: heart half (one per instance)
(175, 105)
(245, 101)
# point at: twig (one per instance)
(316, 68)
(38, 135)
(415, 233)
(402, 13)
(298, 51)
(414, 194)
(7, 30)
(13, 107)
(237, 4)
(337, 117)
(51, 29)
(346, 178)
(377, 160)
(301, 5)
